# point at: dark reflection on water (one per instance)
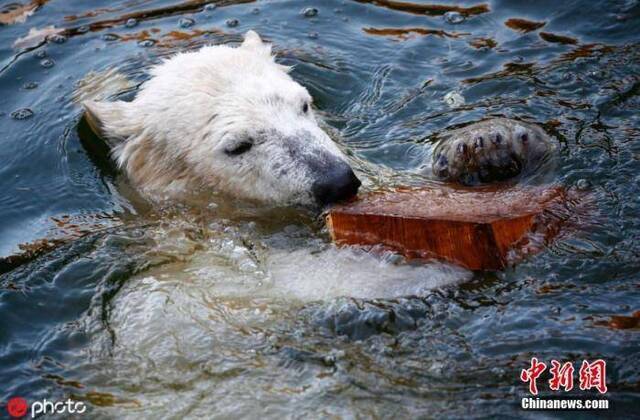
(122, 317)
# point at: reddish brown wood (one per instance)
(475, 228)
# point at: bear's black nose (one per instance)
(338, 184)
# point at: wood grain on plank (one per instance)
(472, 227)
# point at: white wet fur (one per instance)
(240, 280)
(174, 137)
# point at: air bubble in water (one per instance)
(22, 114)
(583, 184)
(232, 23)
(146, 43)
(454, 18)
(310, 12)
(41, 54)
(130, 23)
(30, 85)
(210, 7)
(186, 22)
(454, 99)
(47, 63)
(255, 11)
(84, 29)
(110, 37)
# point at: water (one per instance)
(217, 308)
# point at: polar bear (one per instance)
(230, 119)
(233, 120)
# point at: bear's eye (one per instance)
(305, 108)
(239, 148)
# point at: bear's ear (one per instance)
(108, 120)
(252, 40)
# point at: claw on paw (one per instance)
(489, 151)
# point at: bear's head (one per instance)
(230, 119)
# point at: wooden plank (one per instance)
(472, 227)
